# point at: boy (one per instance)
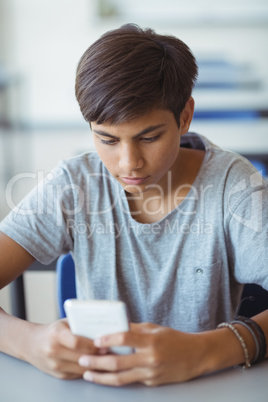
(159, 218)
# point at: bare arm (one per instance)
(232, 354)
(52, 347)
(14, 260)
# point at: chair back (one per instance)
(259, 301)
(66, 288)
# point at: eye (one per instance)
(108, 142)
(151, 139)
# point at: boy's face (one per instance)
(141, 152)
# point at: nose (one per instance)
(130, 158)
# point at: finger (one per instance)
(61, 331)
(68, 355)
(75, 342)
(115, 379)
(132, 339)
(142, 327)
(65, 369)
(135, 327)
(113, 362)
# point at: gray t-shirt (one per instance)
(184, 271)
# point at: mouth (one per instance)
(134, 180)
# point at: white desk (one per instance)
(20, 382)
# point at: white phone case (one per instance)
(95, 318)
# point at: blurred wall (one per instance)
(45, 39)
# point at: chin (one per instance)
(136, 190)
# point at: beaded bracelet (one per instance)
(257, 347)
(258, 333)
(241, 340)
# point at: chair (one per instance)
(249, 308)
(66, 289)
(65, 281)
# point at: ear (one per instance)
(187, 116)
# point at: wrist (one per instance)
(15, 339)
(257, 335)
(222, 349)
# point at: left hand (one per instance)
(162, 355)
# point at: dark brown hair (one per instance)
(129, 71)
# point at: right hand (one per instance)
(55, 350)
(52, 348)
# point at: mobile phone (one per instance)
(95, 318)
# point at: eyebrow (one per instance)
(143, 132)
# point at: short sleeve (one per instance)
(38, 222)
(247, 231)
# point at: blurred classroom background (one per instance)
(40, 122)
